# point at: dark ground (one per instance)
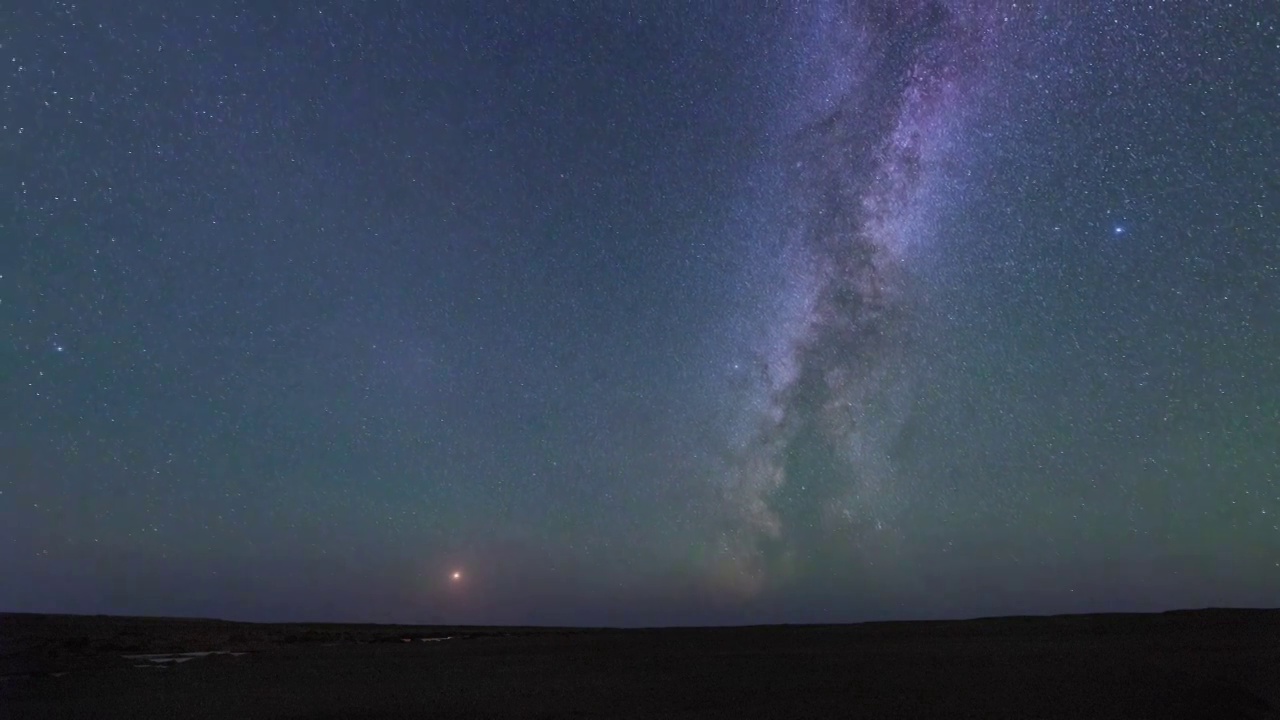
(1218, 664)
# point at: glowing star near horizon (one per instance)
(456, 575)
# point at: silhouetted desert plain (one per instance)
(1218, 664)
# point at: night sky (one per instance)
(638, 312)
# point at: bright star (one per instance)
(1118, 229)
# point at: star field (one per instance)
(490, 312)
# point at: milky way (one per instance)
(814, 489)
